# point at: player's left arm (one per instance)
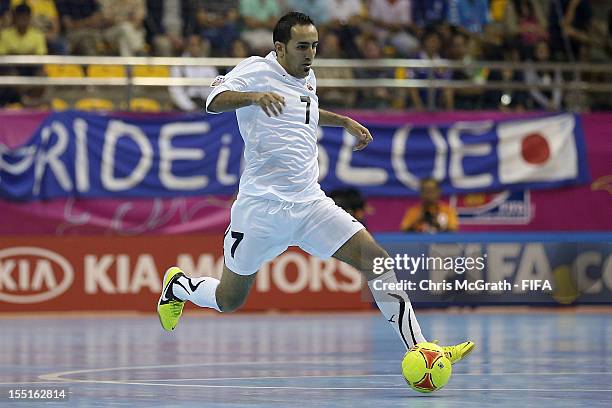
(327, 118)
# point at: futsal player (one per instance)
(280, 202)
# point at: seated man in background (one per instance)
(379, 97)
(548, 99)
(431, 45)
(393, 25)
(124, 32)
(431, 215)
(46, 18)
(192, 98)
(21, 38)
(218, 23)
(82, 22)
(335, 97)
(259, 18)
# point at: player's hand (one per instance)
(270, 102)
(362, 134)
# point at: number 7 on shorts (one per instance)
(238, 237)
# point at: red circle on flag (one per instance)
(535, 149)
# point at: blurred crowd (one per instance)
(462, 30)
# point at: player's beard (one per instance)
(305, 70)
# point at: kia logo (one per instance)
(31, 269)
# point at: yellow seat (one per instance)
(144, 105)
(58, 104)
(94, 104)
(14, 106)
(63, 71)
(106, 71)
(149, 71)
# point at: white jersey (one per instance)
(280, 152)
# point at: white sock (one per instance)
(397, 309)
(201, 291)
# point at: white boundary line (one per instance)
(2, 384)
(59, 377)
(352, 376)
(576, 390)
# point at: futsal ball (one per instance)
(426, 368)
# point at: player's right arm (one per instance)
(245, 85)
(271, 103)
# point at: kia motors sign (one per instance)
(94, 273)
(30, 275)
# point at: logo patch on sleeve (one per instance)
(218, 81)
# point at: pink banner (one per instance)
(569, 209)
(182, 215)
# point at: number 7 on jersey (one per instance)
(307, 100)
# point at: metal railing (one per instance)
(577, 71)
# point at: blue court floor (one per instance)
(530, 359)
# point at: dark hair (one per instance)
(429, 32)
(519, 9)
(22, 9)
(429, 180)
(459, 35)
(282, 30)
(349, 199)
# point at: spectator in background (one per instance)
(430, 50)
(22, 39)
(525, 20)
(609, 32)
(166, 22)
(192, 98)
(259, 17)
(465, 98)
(351, 201)
(343, 12)
(239, 49)
(82, 21)
(543, 99)
(334, 97)
(571, 19)
(427, 13)
(506, 99)
(46, 18)
(217, 22)
(347, 20)
(318, 10)
(392, 20)
(491, 42)
(125, 34)
(498, 9)
(431, 215)
(470, 15)
(378, 97)
(600, 32)
(5, 13)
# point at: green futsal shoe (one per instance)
(169, 307)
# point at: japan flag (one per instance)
(537, 150)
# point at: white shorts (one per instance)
(261, 229)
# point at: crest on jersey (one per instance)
(310, 88)
(218, 81)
